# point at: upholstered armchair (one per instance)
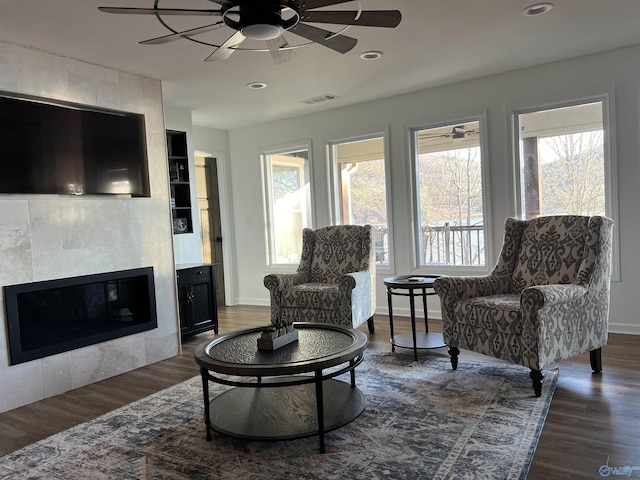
(547, 298)
(334, 282)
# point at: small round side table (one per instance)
(410, 286)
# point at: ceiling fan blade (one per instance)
(183, 34)
(303, 5)
(277, 53)
(339, 43)
(161, 11)
(225, 50)
(372, 18)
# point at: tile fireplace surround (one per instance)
(45, 237)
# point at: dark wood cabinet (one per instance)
(197, 298)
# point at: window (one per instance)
(360, 183)
(287, 195)
(449, 194)
(562, 161)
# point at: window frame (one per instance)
(490, 255)
(267, 198)
(334, 187)
(609, 151)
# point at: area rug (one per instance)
(422, 421)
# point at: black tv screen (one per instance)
(48, 146)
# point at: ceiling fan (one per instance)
(268, 20)
(457, 133)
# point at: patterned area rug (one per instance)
(422, 421)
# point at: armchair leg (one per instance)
(370, 324)
(453, 353)
(536, 376)
(596, 360)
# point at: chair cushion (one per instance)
(551, 250)
(312, 295)
(499, 313)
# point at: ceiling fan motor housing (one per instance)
(259, 20)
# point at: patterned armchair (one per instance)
(547, 298)
(335, 281)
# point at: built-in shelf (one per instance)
(179, 182)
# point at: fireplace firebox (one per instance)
(45, 318)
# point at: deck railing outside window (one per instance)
(441, 245)
(453, 244)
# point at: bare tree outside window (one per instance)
(562, 161)
(572, 174)
(361, 188)
(449, 188)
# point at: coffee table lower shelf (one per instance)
(423, 340)
(284, 413)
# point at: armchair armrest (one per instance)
(357, 295)
(539, 296)
(452, 289)
(355, 280)
(277, 282)
(555, 297)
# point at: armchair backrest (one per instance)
(558, 249)
(332, 251)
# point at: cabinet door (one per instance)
(202, 303)
(184, 306)
(197, 300)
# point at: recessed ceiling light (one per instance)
(372, 55)
(537, 9)
(257, 85)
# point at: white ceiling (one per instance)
(437, 42)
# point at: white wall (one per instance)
(616, 73)
(211, 142)
(44, 237)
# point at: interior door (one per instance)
(209, 211)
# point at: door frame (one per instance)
(224, 197)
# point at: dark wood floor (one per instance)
(593, 418)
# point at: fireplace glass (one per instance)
(45, 318)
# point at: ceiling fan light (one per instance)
(262, 31)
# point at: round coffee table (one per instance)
(271, 400)
(410, 286)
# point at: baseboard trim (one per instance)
(624, 328)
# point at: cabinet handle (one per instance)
(200, 272)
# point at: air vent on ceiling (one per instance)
(321, 98)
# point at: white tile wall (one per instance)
(44, 237)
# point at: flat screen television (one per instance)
(50, 146)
